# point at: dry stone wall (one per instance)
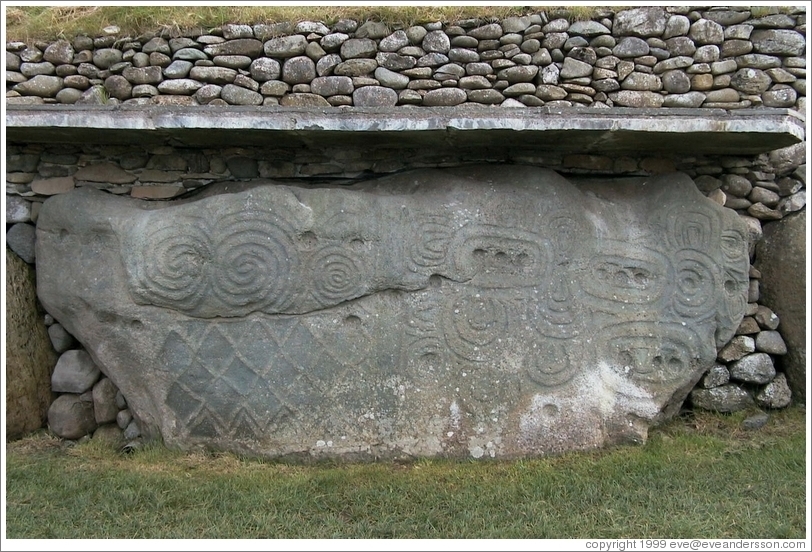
(645, 57)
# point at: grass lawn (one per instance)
(701, 476)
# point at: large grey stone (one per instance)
(374, 96)
(433, 312)
(642, 22)
(285, 46)
(71, 416)
(778, 42)
(754, 368)
(775, 394)
(29, 356)
(44, 86)
(20, 238)
(75, 372)
(725, 398)
(104, 401)
(781, 258)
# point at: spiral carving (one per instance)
(174, 271)
(255, 261)
(208, 267)
(338, 275)
(697, 282)
(473, 324)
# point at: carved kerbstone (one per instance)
(483, 311)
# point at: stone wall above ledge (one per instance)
(607, 130)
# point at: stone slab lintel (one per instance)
(566, 130)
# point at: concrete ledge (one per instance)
(583, 130)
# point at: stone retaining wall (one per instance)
(645, 57)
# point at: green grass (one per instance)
(698, 477)
(27, 23)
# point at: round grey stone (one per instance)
(43, 86)
(395, 62)
(634, 98)
(374, 96)
(758, 61)
(303, 100)
(677, 25)
(732, 48)
(491, 31)
(706, 54)
(75, 372)
(391, 79)
(486, 96)
(588, 29)
(522, 73)
(157, 44)
(265, 69)
(416, 34)
(393, 42)
(118, 87)
(642, 22)
(631, 47)
(574, 68)
(331, 86)
(107, 57)
(104, 401)
(474, 82)
(143, 75)
(326, 65)
(768, 341)
(642, 81)
(676, 82)
(445, 97)
(358, 48)
(178, 69)
(185, 87)
(725, 398)
(286, 46)
(436, 41)
(737, 348)
(232, 61)
(132, 432)
(71, 416)
(123, 418)
(59, 52)
(33, 69)
(705, 31)
(21, 238)
(463, 55)
(144, 91)
(778, 42)
(756, 421)
(249, 47)
(750, 81)
(68, 95)
(190, 54)
(372, 29)
(753, 368)
(775, 394)
(213, 75)
(333, 41)
(298, 70)
(716, 376)
(237, 95)
(208, 93)
(355, 67)
(780, 97)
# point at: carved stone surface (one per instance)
(480, 311)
